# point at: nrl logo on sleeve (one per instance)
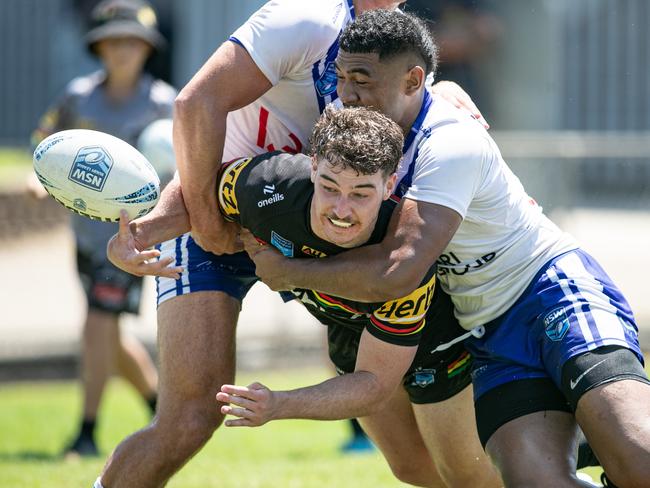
(285, 246)
(556, 324)
(91, 167)
(326, 84)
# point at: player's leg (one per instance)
(612, 395)
(197, 356)
(449, 432)
(134, 363)
(105, 297)
(395, 432)
(197, 316)
(602, 373)
(96, 367)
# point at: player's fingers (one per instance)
(242, 391)
(242, 413)
(239, 423)
(240, 401)
(150, 254)
(124, 230)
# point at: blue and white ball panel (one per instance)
(233, 274)
(570, 307)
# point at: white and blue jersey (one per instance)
(512, 274)
(294, 44)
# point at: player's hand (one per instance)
(270, 264)
(458, 97)
(213, 234)
(123, 251)
(34, 187)
(253, 405)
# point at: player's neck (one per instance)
(361, 6)
(120, 87)
(411, 113)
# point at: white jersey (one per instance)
(294, 43)
(503, 239)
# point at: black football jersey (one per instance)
(271, 195)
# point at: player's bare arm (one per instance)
(379, 371)
(129, 248)
(228, 81)
(417, 235)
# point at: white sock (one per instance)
(98, 483)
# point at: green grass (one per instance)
(15, 164)
(37, 419)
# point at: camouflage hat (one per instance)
(124, 18)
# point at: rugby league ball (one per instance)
(95, 174)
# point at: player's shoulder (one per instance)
(453, 132)
(162, 92)
(279, 168)
(322, 20)
(82, 86)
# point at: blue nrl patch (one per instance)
(91, 167)
(556, 324)
(326, 84)
(285, 246)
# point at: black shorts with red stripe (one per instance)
(108, 288)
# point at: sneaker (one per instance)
(82, 447)
(358, 445)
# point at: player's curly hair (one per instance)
(358, 138)
(390, 33)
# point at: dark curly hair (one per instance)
(389, 33)
(358, 138)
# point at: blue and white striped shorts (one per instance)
(570, 307)
(233, 274)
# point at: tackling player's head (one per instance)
(383, 61)
(355, 154)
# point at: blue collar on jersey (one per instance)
(406, 180)
(351, 8)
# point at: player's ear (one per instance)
(390, 186)
(415, 79)
(314, 169)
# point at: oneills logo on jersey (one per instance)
(227, 197)
(310, 251)
(405, 315)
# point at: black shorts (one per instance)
(580, 374)
(432, 377)
(108, 288)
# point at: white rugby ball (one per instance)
(95, 174)
(156, 144)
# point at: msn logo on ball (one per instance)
(91, 167)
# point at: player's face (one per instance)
(123, 56)
(345, 205)
(386, 85)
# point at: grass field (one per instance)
(36, 419)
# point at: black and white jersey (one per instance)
(271, 195)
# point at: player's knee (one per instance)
(629, 473)
(416, 475)
(189, 429)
